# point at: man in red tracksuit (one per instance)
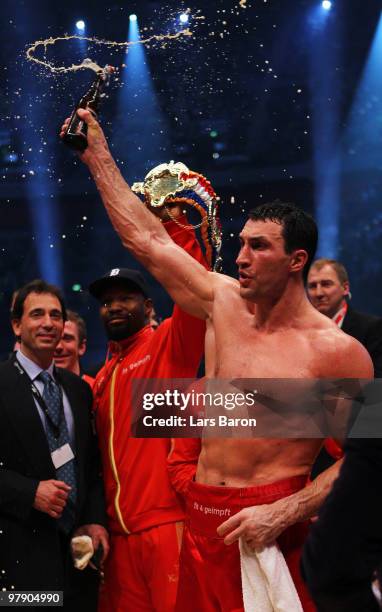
(145, 517)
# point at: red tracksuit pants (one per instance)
(209, 575)
(141, 571)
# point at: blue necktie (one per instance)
(53, 401)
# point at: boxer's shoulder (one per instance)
(341, 355)
(223, 281)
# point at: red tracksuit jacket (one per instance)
(138, 491)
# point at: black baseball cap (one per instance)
(121, 275)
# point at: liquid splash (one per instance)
(88, 63)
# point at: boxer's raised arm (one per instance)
(187, 281)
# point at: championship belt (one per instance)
(174, 183)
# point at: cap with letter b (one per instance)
(131, 278)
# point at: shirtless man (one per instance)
(259, 482)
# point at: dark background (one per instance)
(211, 101)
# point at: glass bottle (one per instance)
(76, 132)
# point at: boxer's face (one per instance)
(325, 290)
(264, 266)
(124, 311)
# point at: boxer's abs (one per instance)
(244, 463)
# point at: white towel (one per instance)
(82, 551)
(266, 582)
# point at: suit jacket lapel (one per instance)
(23, 414)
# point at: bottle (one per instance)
(76, 132)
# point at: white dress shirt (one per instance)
(33, 370)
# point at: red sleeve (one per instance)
(183, 457)
(185, 238)
(89, 380)
(187, 331)
(333, 448)
(182, 461)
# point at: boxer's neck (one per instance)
(282, 311)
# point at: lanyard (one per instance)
(41, 402)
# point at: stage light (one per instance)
(76, 287)
(133, 17)
(324, 84)
(80, 25)
(183, 18)
(139, 112)
(12, 158)
(327, 5)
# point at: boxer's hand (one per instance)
(64, 127)
(258, 525)
(96, 139)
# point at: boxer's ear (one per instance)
(298, 260)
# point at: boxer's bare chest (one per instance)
(242, 351)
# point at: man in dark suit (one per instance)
(50, 483)
(328, 287)
(344, 546)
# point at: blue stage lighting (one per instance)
(183, 18)
(133, 17)
(324, 84)
(139, 113)
(80, 25)
(327, 5)
(11, 158)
